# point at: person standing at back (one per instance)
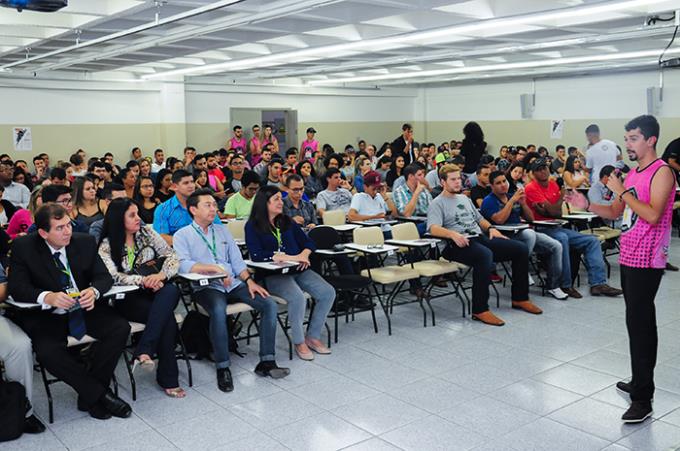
(600, 153)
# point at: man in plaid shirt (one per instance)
(413, 198)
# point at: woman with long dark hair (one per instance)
(143, 196)
(395, 171)
(516, 176)
(136, 255)
(473, 147)
(573, 174)
(272, 235)
(306, 170)
(87, 208)
(163, 183)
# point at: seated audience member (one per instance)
(482, 188)
(110, 192)
(133, 165)
(501, 207)
(206, 248)
(236, 171)
(272, 235)
(504, 159)
(16, 353)
(21, 177)
(87, 208)
(239, 205)
(126, 245)
(60, 195)
(573, 176)
(362, 166)
(144, 168)
(291, 161)
(485, 160)
(144, 197)
(432, 177)
(301, 211)
(545, 199)
(63, 273)
(58, 177)
(162, 190)
(16, 193)
(453, 217)
(22, 219)
(383, 166)
(128, 178)
(172, 215)
(557, 165)
(7, 208)
(398, 164)
(370, 204)
(274, 173)
(215, 173)
(334, 197)
(600, 194)
(305, 169)
(413, 198)
(261, 168)
(158, 161)
(516, 176)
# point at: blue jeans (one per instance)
(290, 287)
(589, 245)
(545, 245)
(215, 303)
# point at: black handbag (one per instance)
(13, 408)
(149, 267)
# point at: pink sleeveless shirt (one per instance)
(645, 245)
(238, 144)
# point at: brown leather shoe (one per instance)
(488, 318)
(527, 306)
(572, 292)
(605, 290)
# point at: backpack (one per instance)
(13, 408)
(194, 333)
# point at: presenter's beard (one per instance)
(632, 155)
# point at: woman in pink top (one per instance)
(269, 138)
(309, 146)
(22, 219)
(646, 202)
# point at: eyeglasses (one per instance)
(64, 201)
(297, 190)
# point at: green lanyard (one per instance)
(130, 256)
(213, 248)
(277, 234)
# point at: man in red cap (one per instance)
(370, 204)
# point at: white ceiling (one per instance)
(347, 42)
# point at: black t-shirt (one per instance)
(473, 153)
(478, 193)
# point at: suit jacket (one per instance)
(32, 269)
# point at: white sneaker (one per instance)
(557, 293)
(531, 281)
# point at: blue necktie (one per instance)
(76, 318)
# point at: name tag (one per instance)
(120, 296)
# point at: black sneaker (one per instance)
(271, 369)
(624, 387)
(224, 381)
(32, 425)
(638, 412)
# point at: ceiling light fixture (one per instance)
(413, 38)
(493, 67)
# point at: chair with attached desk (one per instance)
(432, 269)
(349, 287)
(334, 217)
(382, 276)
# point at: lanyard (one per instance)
(67, 271)
(130, 256)
(277, 234)
(213, 248)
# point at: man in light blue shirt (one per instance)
(172, 215)
(206, 248)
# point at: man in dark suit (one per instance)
(404, 144)
(63, 272)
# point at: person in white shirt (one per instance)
(16, 193)
(600, 153)
(370, 204)
(158, 161)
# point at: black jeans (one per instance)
(480, 255)
(157, 311)
(639, 290)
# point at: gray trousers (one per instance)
(17, 354)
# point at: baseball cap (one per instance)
(440, 158)
(311, 130)
(539, 163)
(372, 178)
